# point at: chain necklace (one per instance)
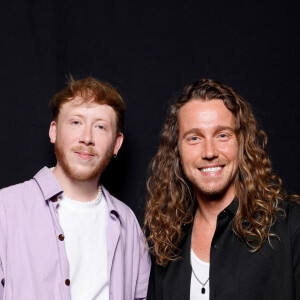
(203, 284)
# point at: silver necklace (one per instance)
(203, 284)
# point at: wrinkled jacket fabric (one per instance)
(33, 260)
(272, 273)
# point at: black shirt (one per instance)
(235, 272)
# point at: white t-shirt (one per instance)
(84, 225)
(201, 269)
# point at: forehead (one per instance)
(198, 113)
(88, 110)
(78, 106)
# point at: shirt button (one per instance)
(61, 237)
(216, 246)
(54, 199)
(67, 282)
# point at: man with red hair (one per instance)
(62, 235)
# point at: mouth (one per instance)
(211, 169)
(84, 155)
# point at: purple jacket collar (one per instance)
(50, 187)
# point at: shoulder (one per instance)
(18, 191)
(43, 185)
(291, 217)
(292, 210)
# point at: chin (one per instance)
(81, 173)
(214, 193)
(84, 176)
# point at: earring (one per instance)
(115, 155)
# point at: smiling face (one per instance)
(208, 148)
(85, 139)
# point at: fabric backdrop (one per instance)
(150, 50)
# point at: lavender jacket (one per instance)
(33, 260)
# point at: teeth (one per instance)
(215, 169)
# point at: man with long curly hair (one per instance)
(217, 220)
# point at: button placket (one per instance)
(65, 272)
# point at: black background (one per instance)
(150, 50)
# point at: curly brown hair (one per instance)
(170, 198)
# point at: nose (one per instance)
(209, 150)
(87, 137)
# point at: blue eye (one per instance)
(193, 139)
(224, 136)
(100, 126)
(75, 122)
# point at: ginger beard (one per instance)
(80, 175)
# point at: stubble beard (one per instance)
(81, 176)
(214, 193)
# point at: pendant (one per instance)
(203, 290)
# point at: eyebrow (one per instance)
(76, 115)
(217, 129)
(82, 116)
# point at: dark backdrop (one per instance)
(149, 50)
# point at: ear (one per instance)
(52, 132)
(118, 142)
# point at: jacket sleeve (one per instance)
(144, 270)
(1, 281)
(1, 252)
(151, 286)
(296, 247)
(296, 252)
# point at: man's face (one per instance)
(208, 147)
(84, 137)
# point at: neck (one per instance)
(211, 206)
(78, 190)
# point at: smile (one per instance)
(211, 169)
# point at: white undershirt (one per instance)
(84, 225)
(201, 269)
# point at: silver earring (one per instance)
(115, 155)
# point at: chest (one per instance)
(235, 272)
(201, 241)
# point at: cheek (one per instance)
(104, 144)
(65, 140)
(103, 138)
(188, 156)
(232, 153)
(69, 133)
(230, 150)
